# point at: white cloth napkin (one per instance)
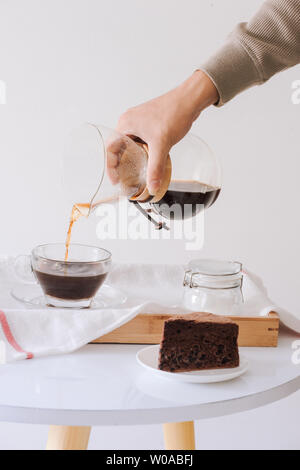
(27, 332)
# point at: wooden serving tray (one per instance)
(147, 328)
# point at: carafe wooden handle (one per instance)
(145, 196)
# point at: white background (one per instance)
(66, 62)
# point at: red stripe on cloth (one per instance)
(10, 338)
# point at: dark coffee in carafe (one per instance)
(186, 198)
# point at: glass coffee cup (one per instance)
(66, 284)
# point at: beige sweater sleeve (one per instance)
(255, 51)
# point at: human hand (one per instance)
(164, 121)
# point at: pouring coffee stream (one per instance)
(104, 165)
(77, 212)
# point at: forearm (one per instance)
(255, 51)
(195, 94)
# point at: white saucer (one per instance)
(32, 294)
(148, 358)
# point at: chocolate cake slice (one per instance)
(198, 341)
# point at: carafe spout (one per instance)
(94, 205)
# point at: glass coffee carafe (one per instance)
(102, 165)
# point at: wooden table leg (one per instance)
(179, 436)
(68, 437)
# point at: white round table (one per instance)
(102, 384)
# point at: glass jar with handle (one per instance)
(214, 286)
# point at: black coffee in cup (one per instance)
(66, 287)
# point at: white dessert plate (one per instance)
(32, 294)
(148, 358)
